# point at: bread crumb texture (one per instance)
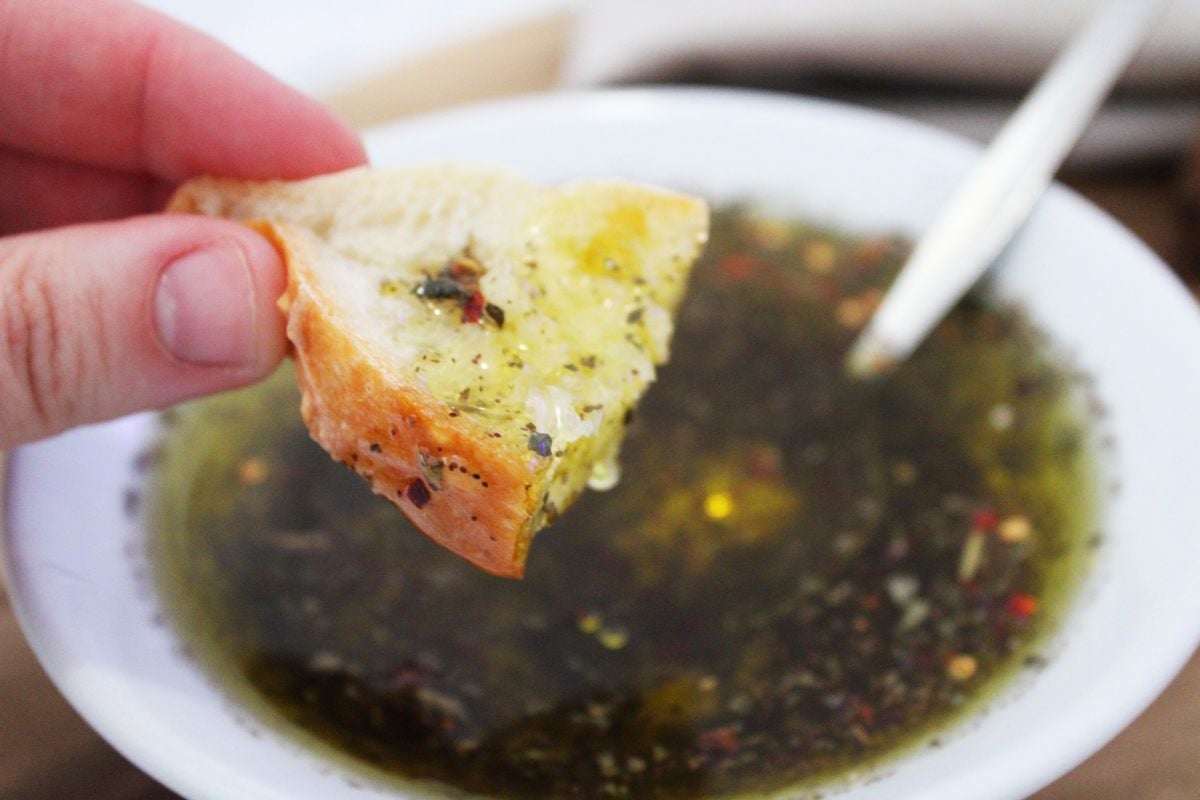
(469, 342)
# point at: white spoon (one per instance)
(998, 195)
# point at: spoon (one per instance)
(997, 196)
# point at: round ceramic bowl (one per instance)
(88, 607)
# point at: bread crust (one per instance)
(478, 497)
(611, 256)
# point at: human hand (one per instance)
(104, 107)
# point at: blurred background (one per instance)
(957, 64)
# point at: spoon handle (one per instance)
(997, 196)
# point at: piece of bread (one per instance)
(469, 342)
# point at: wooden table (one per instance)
(47, 752)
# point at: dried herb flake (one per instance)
(540, 443)
(418, 493)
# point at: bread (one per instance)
(470, 343)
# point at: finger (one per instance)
(38, 192)
(116, 85)
(103, 319)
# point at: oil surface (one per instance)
(796, 575)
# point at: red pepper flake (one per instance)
(871, 253)
(897, 548)
(764, 461)
(418, 493)
(465, 271)
(736, 266)
(985, 519)
(828, 290)
(408, 675)
(1021, 606)
(459, 281)
(723, 740)
(472, 309)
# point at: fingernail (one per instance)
(204, 306)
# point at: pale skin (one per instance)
(106, 306)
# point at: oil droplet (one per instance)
(252, 471)
(1015, 530)
(718, 505)
(605, 475)
(613, 638)
(589, 622)
(1001, 417)
(961, 667)
(820, 256)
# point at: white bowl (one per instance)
(88, 609)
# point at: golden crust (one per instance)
(460, 486)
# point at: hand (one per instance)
(104, 107)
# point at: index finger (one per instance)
(115, 85)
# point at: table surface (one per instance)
(48, 752)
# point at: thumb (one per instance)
(101, 320)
